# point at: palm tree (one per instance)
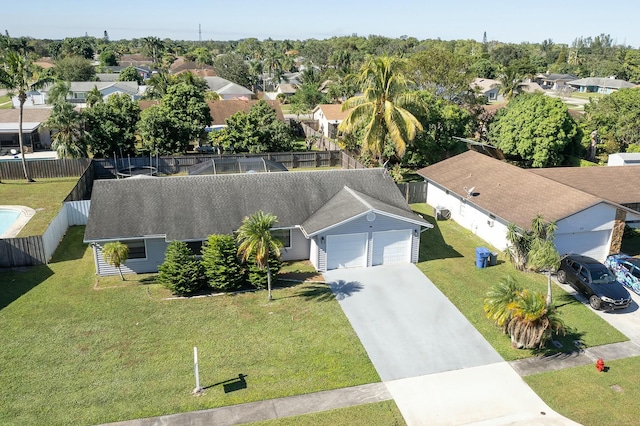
(380, 110)
(518, 248)
(68, 139)
(510, 83)
(543, 255)
(20, 75)
(255, 239)
(115, 254)
(532, 321)
(497, 300)
(154, 46)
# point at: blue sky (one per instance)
(507, 21)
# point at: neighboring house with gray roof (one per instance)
(35, 136)
(554, 81)
(600, 85)
(335, 219)
(79, 89)
(484, 195)
(227, 89)
(489, 88)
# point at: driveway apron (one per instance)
(406, 325)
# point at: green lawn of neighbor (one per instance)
(447, 257)
(592, 398)
(78, 350)
(45, 196)
(5, 102)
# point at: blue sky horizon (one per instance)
(234, 20)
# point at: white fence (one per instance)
(72, 213)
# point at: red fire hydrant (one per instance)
(600, 365)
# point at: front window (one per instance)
(284, 235)
(137, 249)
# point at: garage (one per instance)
(593, 243)
(391, 247)
(346, 251)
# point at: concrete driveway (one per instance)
(435, 364)
(407, 326)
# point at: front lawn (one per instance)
(77, 350)
(592, 398)
(447, 257)
(45, 196)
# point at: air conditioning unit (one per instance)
(441, 213)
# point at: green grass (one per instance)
(73, 354)
(586, 95)
(45, 196)
(592, 398)
(5, 102)
(448, 258)
(384, 413)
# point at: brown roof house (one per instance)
(484, 195)
(329, 116)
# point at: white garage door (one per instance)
(346, 251)
(392, 247)
(593, 244)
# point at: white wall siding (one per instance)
(587, 232)
(465, 213)
(360, 225)
(596, 218)
(155, 248)
(300, 247)
(313, 256)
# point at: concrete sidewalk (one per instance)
(271, 408)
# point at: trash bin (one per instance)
(493, 258)
(482, 257)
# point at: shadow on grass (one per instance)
(71, 247)
(231, 385)
(19, 281)
(319, 292)
(432, 243)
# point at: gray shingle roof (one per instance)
(611, 83)
(193, 207)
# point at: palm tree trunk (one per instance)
(270, 298)
(549, 299)
(22, 98)
(120, 271)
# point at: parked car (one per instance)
(594, 281)
(626, 270)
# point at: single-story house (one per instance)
(335, 219)
(484, 195)
(624, 159)
(329, 116)
(35, 136)
(607, 183)
(227, 89)
(600, 85)
(488, 87)
(144, 71)
(554, 81)
(286, 89)
(222, 110)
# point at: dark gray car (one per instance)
(594, 281)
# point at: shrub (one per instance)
(258, 277)
(221, 263)
(181, 272)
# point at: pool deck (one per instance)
(25, 214)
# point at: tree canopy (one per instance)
(111, 126)
(536, 131)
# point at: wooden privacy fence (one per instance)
(44, 169)
(414, 192)
(37, 250)
(319, 140)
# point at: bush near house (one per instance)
(257, 277)
(221, 264)
(181, 272)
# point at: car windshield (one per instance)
(601, 276)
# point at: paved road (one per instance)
(407, 326)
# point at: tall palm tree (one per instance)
(543, 255)
(19, 74)
(154, 46)
(68, 139)
(380, 110)
(255, 239)
(115, 254)
(498, 298)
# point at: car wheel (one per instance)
(595, 302)
(562, 276)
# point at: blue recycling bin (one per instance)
(482, 257)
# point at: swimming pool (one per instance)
(13, 219)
